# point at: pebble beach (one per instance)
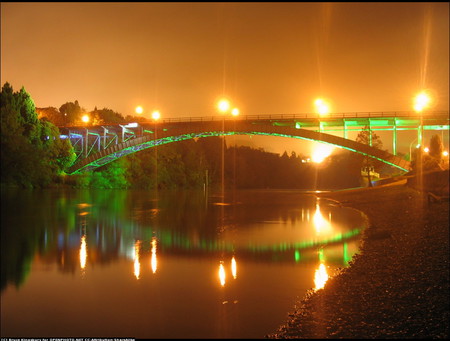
(396, 286)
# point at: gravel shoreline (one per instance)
(397, 285)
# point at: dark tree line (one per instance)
(71, 113)
(195, 164)
(433, 160)
(32, 153)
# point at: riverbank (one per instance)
(397, 286)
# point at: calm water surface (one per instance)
(99, 263)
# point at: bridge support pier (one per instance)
(394, 138)
(86, 139)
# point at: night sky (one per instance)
(267, 58)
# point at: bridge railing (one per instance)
(312, 116)
(391, 114)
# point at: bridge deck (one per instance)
(115, 140)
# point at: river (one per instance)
(166, 264)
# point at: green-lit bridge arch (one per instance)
(167, 133)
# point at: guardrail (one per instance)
(312, 116)
(391, 114)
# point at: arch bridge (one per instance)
(98, 145)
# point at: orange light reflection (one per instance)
(221, 274)
(233, 267)
(320, 277)
(83, 252)
(320, 223)
(153, 260)
(137, 264)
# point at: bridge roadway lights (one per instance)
(172, 132)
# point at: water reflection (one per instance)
(83, 252)
(233, 267)
(222, 271)
(321, 225)
(320, 277)
(275, 236)
(153, 261)
(222, 274)
(137, 263)
(107, 221)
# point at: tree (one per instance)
(32, 153)
(72, 112)
(368, 137)
(52, 114)
(106, 116)
(433, 159)
(436, 147)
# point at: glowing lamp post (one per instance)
(156, 115)
(410, 148)
(322, 107)
(223, 105)
(139, 110)
(421, 102)
(85, 119)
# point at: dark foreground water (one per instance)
(179, 264)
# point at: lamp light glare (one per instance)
(156, 115)
(322, 107)
(421, 101)
(223, 105)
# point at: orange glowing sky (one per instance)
(267, 58)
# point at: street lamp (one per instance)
(139, 110)
(421, 102)
(223, 105)
(156, 115)
(410, 146)
(322, 107)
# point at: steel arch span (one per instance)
(222, 128)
